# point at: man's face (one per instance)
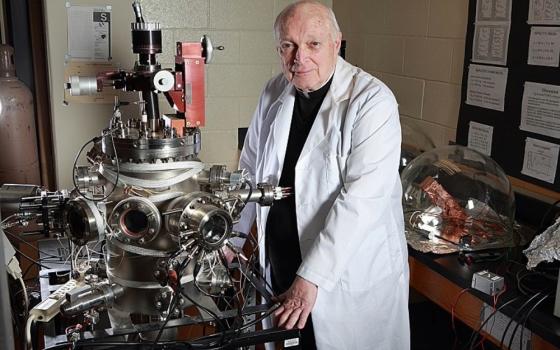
(308, 50)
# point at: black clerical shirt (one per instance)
(282, 239)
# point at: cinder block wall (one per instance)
(417, 49)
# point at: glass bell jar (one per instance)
(414, 143)
(455, 198)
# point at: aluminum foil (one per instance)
(423, 244)
(545, 247)
(431, 242)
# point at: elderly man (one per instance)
(335, 249)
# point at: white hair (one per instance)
(290, 9)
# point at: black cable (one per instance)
(172, 305)
(210, 312)
(30, 259)
(525, 322)
(239, 311)
(474, 335)
(250, 191)
(548, 211)
(241, 328)
(527, 290)
(29, 244)
(515, 315)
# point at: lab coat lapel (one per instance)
(320, 126)
(280, 118)
(328, 113)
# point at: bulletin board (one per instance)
(510, 96)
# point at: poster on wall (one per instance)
(493, 11)
(544, 12)
(540, 109)
(544, 46)
(486, 86)
(480, 137)
(89, 32)
(491, 31)
(491, 43)
(540, 159)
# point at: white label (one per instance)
(288, 343)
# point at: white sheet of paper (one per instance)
(486, 86)
(490, 43)
(541, 159)
(544, 12)
(544, 46)
(89, 32)
(480, 137)
(540, 109)
(493, 11)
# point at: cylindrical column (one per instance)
(18, 139)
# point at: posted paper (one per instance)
(486, 86)
(544, 46)
(480, 137)
(491, 43)
(493, 11)
(544, 12)
(540, 109)
(541, 159)
(89, 32)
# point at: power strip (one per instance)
(50, 307)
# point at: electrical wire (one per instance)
(28, 325)
(29, 244)
(475, 334)
(33, 260)
(172, 305)
(515, 315)
(453, 315)
(25, 296)
(248, 183)
(495, 299)
(545, 216)
(527, 315)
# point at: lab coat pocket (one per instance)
(369, 266)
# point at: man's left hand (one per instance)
(297, 303)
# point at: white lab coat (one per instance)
(348, 204)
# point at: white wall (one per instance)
(234, 79)
(417, 48)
